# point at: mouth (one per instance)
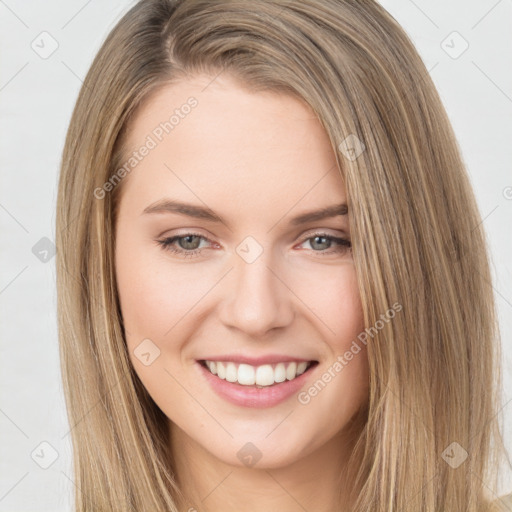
(262, 376)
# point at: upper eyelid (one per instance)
(304, 236)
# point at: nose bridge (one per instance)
(258, 299)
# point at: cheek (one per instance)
(332, 294)
(153, 297)
(140, 295)
(345, 373)
(154, 303)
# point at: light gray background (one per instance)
(36, 99)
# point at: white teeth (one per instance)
(264, 375)
(280, 372)
(231, 372)
(301, 368)
(291, 371)
(246, 375)
(212, 365)
(221, 370)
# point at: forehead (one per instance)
(215, 141)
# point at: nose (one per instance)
(257, 298)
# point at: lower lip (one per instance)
(251, 396)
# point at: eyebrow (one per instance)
(200, 212)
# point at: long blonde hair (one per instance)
(416, 236)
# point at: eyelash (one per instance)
(166, 244)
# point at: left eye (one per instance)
(189, 242)
(188, 245)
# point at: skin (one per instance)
(257, 160)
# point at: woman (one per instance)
(269, 264)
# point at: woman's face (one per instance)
(223, 255)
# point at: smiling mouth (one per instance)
(262, 376)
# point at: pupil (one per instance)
(321, 243)
(185, 241)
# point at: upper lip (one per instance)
(257, 361)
